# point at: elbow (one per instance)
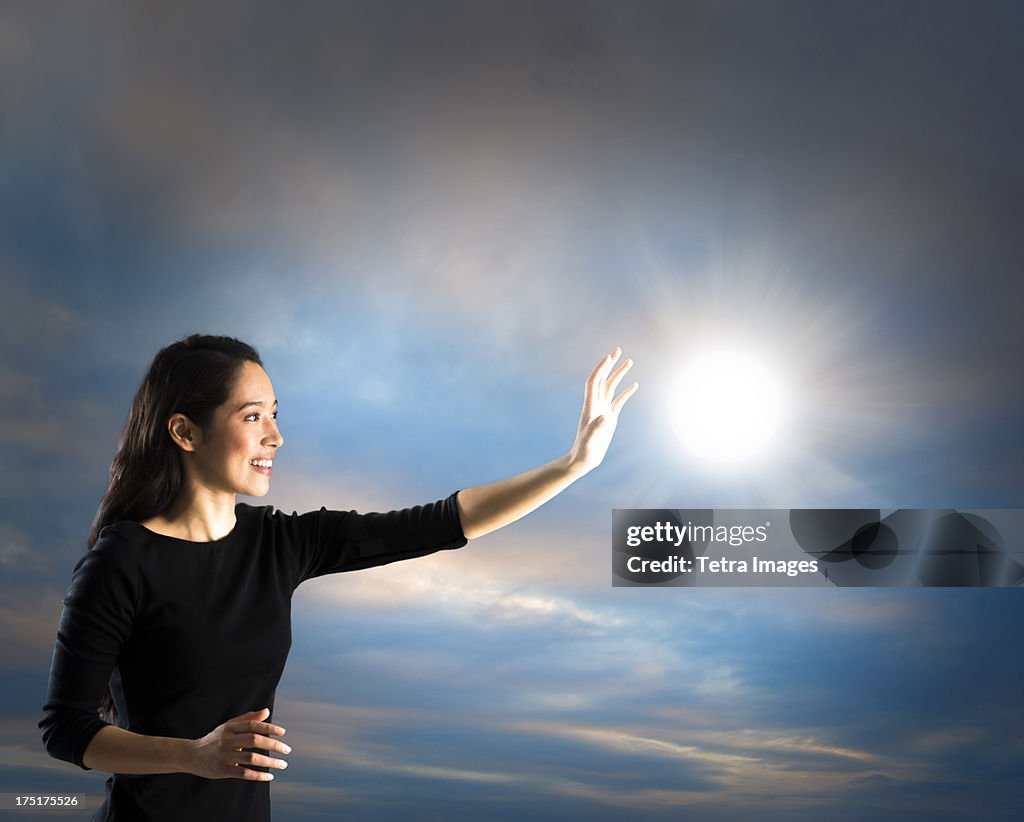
(474, 532)
(65, 737)
(53, 739)
(467, 520)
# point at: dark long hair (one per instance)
(193, 376)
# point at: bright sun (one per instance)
(726, 407)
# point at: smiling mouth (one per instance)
(263, 466)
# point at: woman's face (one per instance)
(243, 431)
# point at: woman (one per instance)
(177, 621)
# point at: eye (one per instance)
(256, 414)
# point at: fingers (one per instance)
(617, 375)
(266, 727)
(250, 732)
(257, 741)
(253, 758)
(257, 776)
(236, 748)
(602, 367)
(595, 386)
(250, 717)
(254, 725)
(620, 400)
(607, 384)
(245, 759)
(609, 361)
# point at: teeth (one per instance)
(262, 463)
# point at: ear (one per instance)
(184, 433)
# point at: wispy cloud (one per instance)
(744, 767)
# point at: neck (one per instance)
(199, 515)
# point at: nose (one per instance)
(274, 436)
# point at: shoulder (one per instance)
(246, 514)
(243, 509)
(119, 549)
(258, 524)
(109, 570)
(123, 535)
(116, 541)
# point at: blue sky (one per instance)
(431, 220)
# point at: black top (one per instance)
(190, 634)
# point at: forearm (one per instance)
(116, 750)
(486, 508)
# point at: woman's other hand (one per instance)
(219, 754)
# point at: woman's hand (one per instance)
(487, 508)
(219, 754)
(600, 412)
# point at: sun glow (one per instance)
(727, 407)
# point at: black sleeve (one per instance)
(326, 542)
(96, 621)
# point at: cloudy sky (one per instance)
(432, 218)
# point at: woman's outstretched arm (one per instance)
(487, 508)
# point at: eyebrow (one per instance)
(247, 404)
